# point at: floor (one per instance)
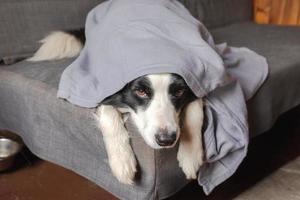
(271, 171)
(284, 183)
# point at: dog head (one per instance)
(155, 103)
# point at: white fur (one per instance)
(160, 114)
(190, 151)
(57, 45)
(116, 139)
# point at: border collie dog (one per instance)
(162, 107)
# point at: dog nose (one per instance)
(165, 139)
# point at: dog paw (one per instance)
(123, 167)
(189, 162)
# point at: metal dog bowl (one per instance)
(10, 146)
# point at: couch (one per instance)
(29, 107)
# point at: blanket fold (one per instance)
(131, 38)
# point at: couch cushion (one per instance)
(23, 23)
(281, 46)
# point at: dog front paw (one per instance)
(123, 167)
(189, 162)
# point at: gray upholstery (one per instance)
(217, 13)
(24, 23)
(281, 46)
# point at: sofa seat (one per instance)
(281, 46)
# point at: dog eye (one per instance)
(141, 93)
(178, 93)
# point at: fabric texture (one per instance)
(62, 133)
(226, 135)
(281, 46)
(24, 23)
(126, 39)
(216, 13)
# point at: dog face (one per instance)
(155, 103)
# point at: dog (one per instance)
(162, 107)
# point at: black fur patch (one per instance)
(79, 34)
(178, 85)
(127, 98)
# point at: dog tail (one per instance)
(59, 44)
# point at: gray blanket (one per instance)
(131, 38)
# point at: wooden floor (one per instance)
(271, 171)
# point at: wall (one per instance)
(282, 12)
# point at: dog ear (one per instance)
(114, 100)
(117, 99)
